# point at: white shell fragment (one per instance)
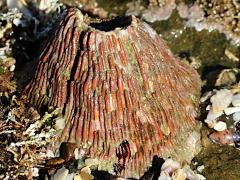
(221, 100)
(211, 118)
(200, 168)
(236, 100)
(164, 176)
(191, 174)
(180, 174)
(12, 68)
(208, 108)
(70, 176)
(220, 126)
(236, 116)
(169, 166)
(61, 174)
(206, 96)
(231, 110)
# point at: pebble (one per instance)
(59, 123)
(9, 62)
(86, 173)
(180, 174)
(236, 116)
(200, 168)
(164, 176)
(70, 176)
(211, 118)
(61, 174)
(227, 77)
(220, 126)
(169, 166)
(231, 110)
(208, 108)
(12, 68)
(236, 100)
(221, 100)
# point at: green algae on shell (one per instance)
(124, 96)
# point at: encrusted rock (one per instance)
(123, 94)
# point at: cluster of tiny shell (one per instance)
(64, 173)
(7, 21)
(25, 136)
(227, 12)
(173, 170)
(159, 12)
(224, 115)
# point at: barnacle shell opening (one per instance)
(124, 96)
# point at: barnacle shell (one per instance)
(124, 96)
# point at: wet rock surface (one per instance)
(219, 160)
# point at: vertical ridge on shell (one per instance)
(124, 96)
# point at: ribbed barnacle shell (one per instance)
(124, 96)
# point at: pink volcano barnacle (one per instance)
(124, 96)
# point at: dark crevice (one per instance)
(117, 22)
(88, 38)
(80, 43)
(210, 74)
(74, 67)
(154, 171)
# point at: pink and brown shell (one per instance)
(124, 96)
